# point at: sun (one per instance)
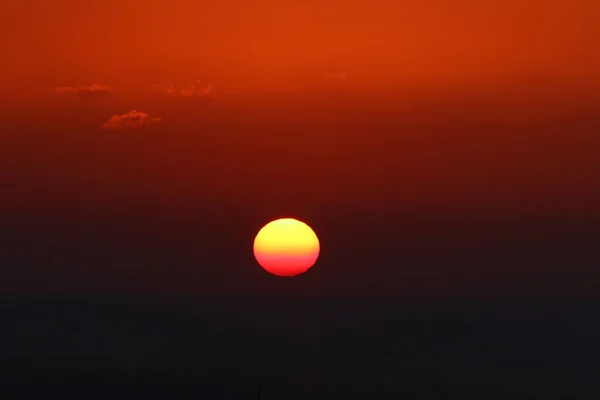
(286, 247)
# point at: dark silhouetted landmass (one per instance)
(222, 348)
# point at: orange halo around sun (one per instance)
(286, 247)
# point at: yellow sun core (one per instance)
(286, 247)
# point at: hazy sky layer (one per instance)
(464, 149)
(465, 193)
(130, 44)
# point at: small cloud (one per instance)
(338, 76)
(132, 119)
(195, 90)
(206, 91)
(187, 92)
(84, 90)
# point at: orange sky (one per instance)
(362, 146)
(129, 44)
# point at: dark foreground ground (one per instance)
(142, 348)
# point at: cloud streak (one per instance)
(85, 90)
(132, 119)
(195, 90)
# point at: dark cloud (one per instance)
(132, 119)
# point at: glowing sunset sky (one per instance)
(188, 124)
